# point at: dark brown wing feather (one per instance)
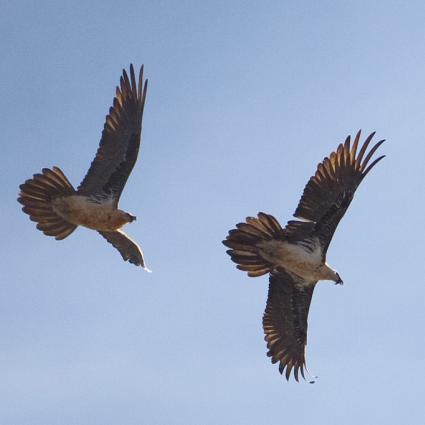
(285, 322)
(119, 145)
(330, 191)
(128, 249)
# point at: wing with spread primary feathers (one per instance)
(119, 145)
(128, 249)
(330, 191)
(285, 322)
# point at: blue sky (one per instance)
(245, 98)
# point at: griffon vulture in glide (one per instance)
(51, 201)
(295, 256)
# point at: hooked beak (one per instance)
(339, 281)
(132, 218)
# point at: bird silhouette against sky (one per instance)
(295, 256)
(58, 209)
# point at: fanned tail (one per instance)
(243, 242)
(36, 197)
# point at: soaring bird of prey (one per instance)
(295, 256)
(51, 201)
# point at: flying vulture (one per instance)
(295, 256)
(51, 201)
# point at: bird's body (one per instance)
(295, 256)
(51, 200)
(297, 259)
(90, 212)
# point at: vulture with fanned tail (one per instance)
(52, 202)
(295, 256)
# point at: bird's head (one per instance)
(338, 280)
(130, 218)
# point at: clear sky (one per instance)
(245, 98)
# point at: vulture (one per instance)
(51, 201)
(295, 256)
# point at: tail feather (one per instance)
(270, 223)
(259, 272)
(243, 243)
(37, 195)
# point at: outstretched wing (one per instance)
(330, 191)
(128, 249)
(285, 322)
(119, 145)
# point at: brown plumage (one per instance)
(243, 241)
(51, 201)
(36, 195)
(295, 256)
(285, 323)
(330, 191)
